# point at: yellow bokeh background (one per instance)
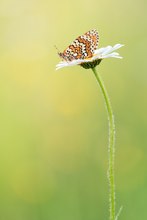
(54, 130)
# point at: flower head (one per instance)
(83, 51)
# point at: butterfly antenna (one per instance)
(57, 49)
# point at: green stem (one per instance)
(111, 148)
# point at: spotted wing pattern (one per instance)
(82, 47)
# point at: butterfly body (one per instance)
(82, 47)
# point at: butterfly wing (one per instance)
(94, 38)
(82, 47)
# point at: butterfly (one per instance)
(82, 47)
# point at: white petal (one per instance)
(100, 50)
(116, 47)
(107, 50)
(114, 55)
(104, 50)
(70, 63)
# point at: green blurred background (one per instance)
(53, 138)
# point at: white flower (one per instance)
(98, 55)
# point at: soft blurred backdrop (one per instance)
(54, 130)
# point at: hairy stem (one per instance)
(111, 148)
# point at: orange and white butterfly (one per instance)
(82, 47)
